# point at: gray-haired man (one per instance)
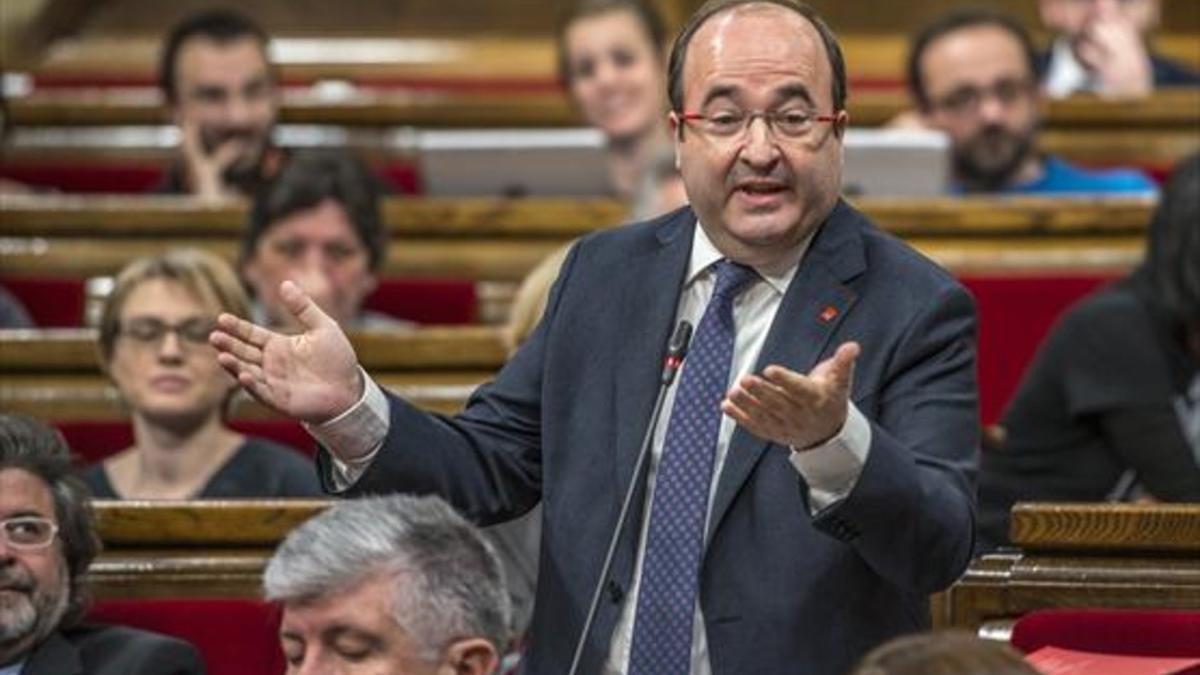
(390, 586)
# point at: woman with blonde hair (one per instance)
(154, 347)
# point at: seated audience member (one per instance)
(943, 653)
(389, 586)
(154, 347)
(318, 224)
(612, 59)
(971, 74)
(1101, 48)
(661, 191)
(47, 542)
(1110, 408)
(217, 80)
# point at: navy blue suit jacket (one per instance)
(781, 591)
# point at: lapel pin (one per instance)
(828, 314)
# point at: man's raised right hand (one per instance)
(312, 376)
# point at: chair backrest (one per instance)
(1015, 315)
(426, 301)
(1130, 632)
(234, 636)
(96, 440)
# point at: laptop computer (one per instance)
(896, 163)
(513, 163)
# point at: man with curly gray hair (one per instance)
(398, 585)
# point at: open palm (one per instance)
(312, 376)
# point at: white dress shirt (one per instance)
(12, 669)
(830, 470)
(1065, 75)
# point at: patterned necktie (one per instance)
(662, 634)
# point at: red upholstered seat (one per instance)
(87, 178)
(93, 441)
(235, 636)
(1129, 632)
(136, 177)
(1015, 314)
(59, 303)
(427, 301)
(52, 303)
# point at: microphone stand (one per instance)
(676, 351)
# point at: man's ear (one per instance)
(676, 126)
(840, 122)
(470, 656)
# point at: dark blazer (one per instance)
(112, 650)
(781, 591)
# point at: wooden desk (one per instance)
(500, 240)
(54, 374)
(191, 549)
(1083, 555)
(1156, 131)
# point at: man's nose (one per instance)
(237, 110)
(760, 148)
(991, 109)
(316, 261)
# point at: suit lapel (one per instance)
(649, 297)
(814, 306)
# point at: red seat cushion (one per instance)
(1130, 632)
(94, 441)
(426, 301)
(1015, 314)
(52, 303)
(126, 177)
(96, 177)
(235, 636)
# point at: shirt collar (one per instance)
(705, 255)
(1065, 74)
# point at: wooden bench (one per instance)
(1154, 133)
(500, 240)
(1072, 555)
(1082, 555)
(55, 374)
(191, 549)
(1035, 256)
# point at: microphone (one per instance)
(676, 351)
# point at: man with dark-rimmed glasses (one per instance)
(47, 541)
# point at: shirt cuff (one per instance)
(354, 437)
(832, 469)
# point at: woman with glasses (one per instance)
(154, 347)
